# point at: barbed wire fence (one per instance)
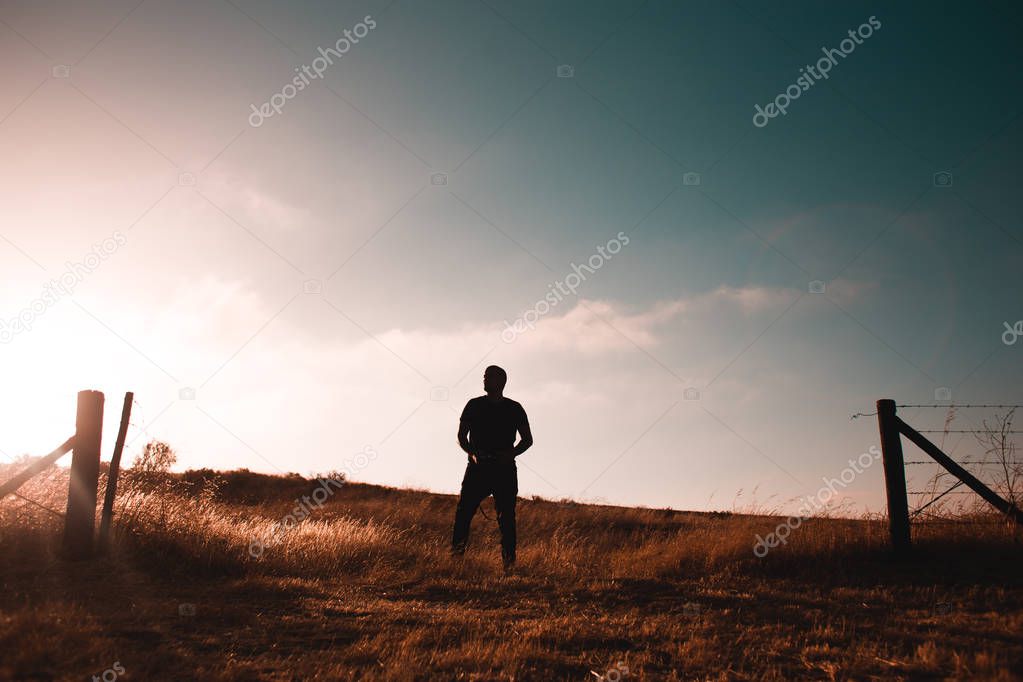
(47, 484)
(997, 466)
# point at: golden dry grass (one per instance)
(364, 589)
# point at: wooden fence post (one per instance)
(80, 522)
(894, 475)
(112, 473)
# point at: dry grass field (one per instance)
(364, 589)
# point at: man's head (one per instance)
(494, 379)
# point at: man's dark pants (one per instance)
(499, 479)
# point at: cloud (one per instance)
(808, 222)
(209, 307)
(205, 321)
(753, 299)
(600, 326)
(846, 291)
(303, 393)
(254, 205)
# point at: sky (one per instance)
(286, 276)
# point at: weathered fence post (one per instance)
(894, 475)
(112, 473)
(80, 522)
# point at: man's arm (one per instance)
(525, 438)
(463, 437)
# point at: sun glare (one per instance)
(49, 365)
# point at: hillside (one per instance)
(199, 585)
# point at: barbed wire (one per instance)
(34, 502)
(134, 414)
(962, 461)
(931, 518)
(964, 431)
(950, 522)
(31, 501)
(947, 405)
(947, 492)
(41, 506)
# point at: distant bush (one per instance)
(151, 469)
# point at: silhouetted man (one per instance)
(486, 432)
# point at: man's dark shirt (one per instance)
(493, 424)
